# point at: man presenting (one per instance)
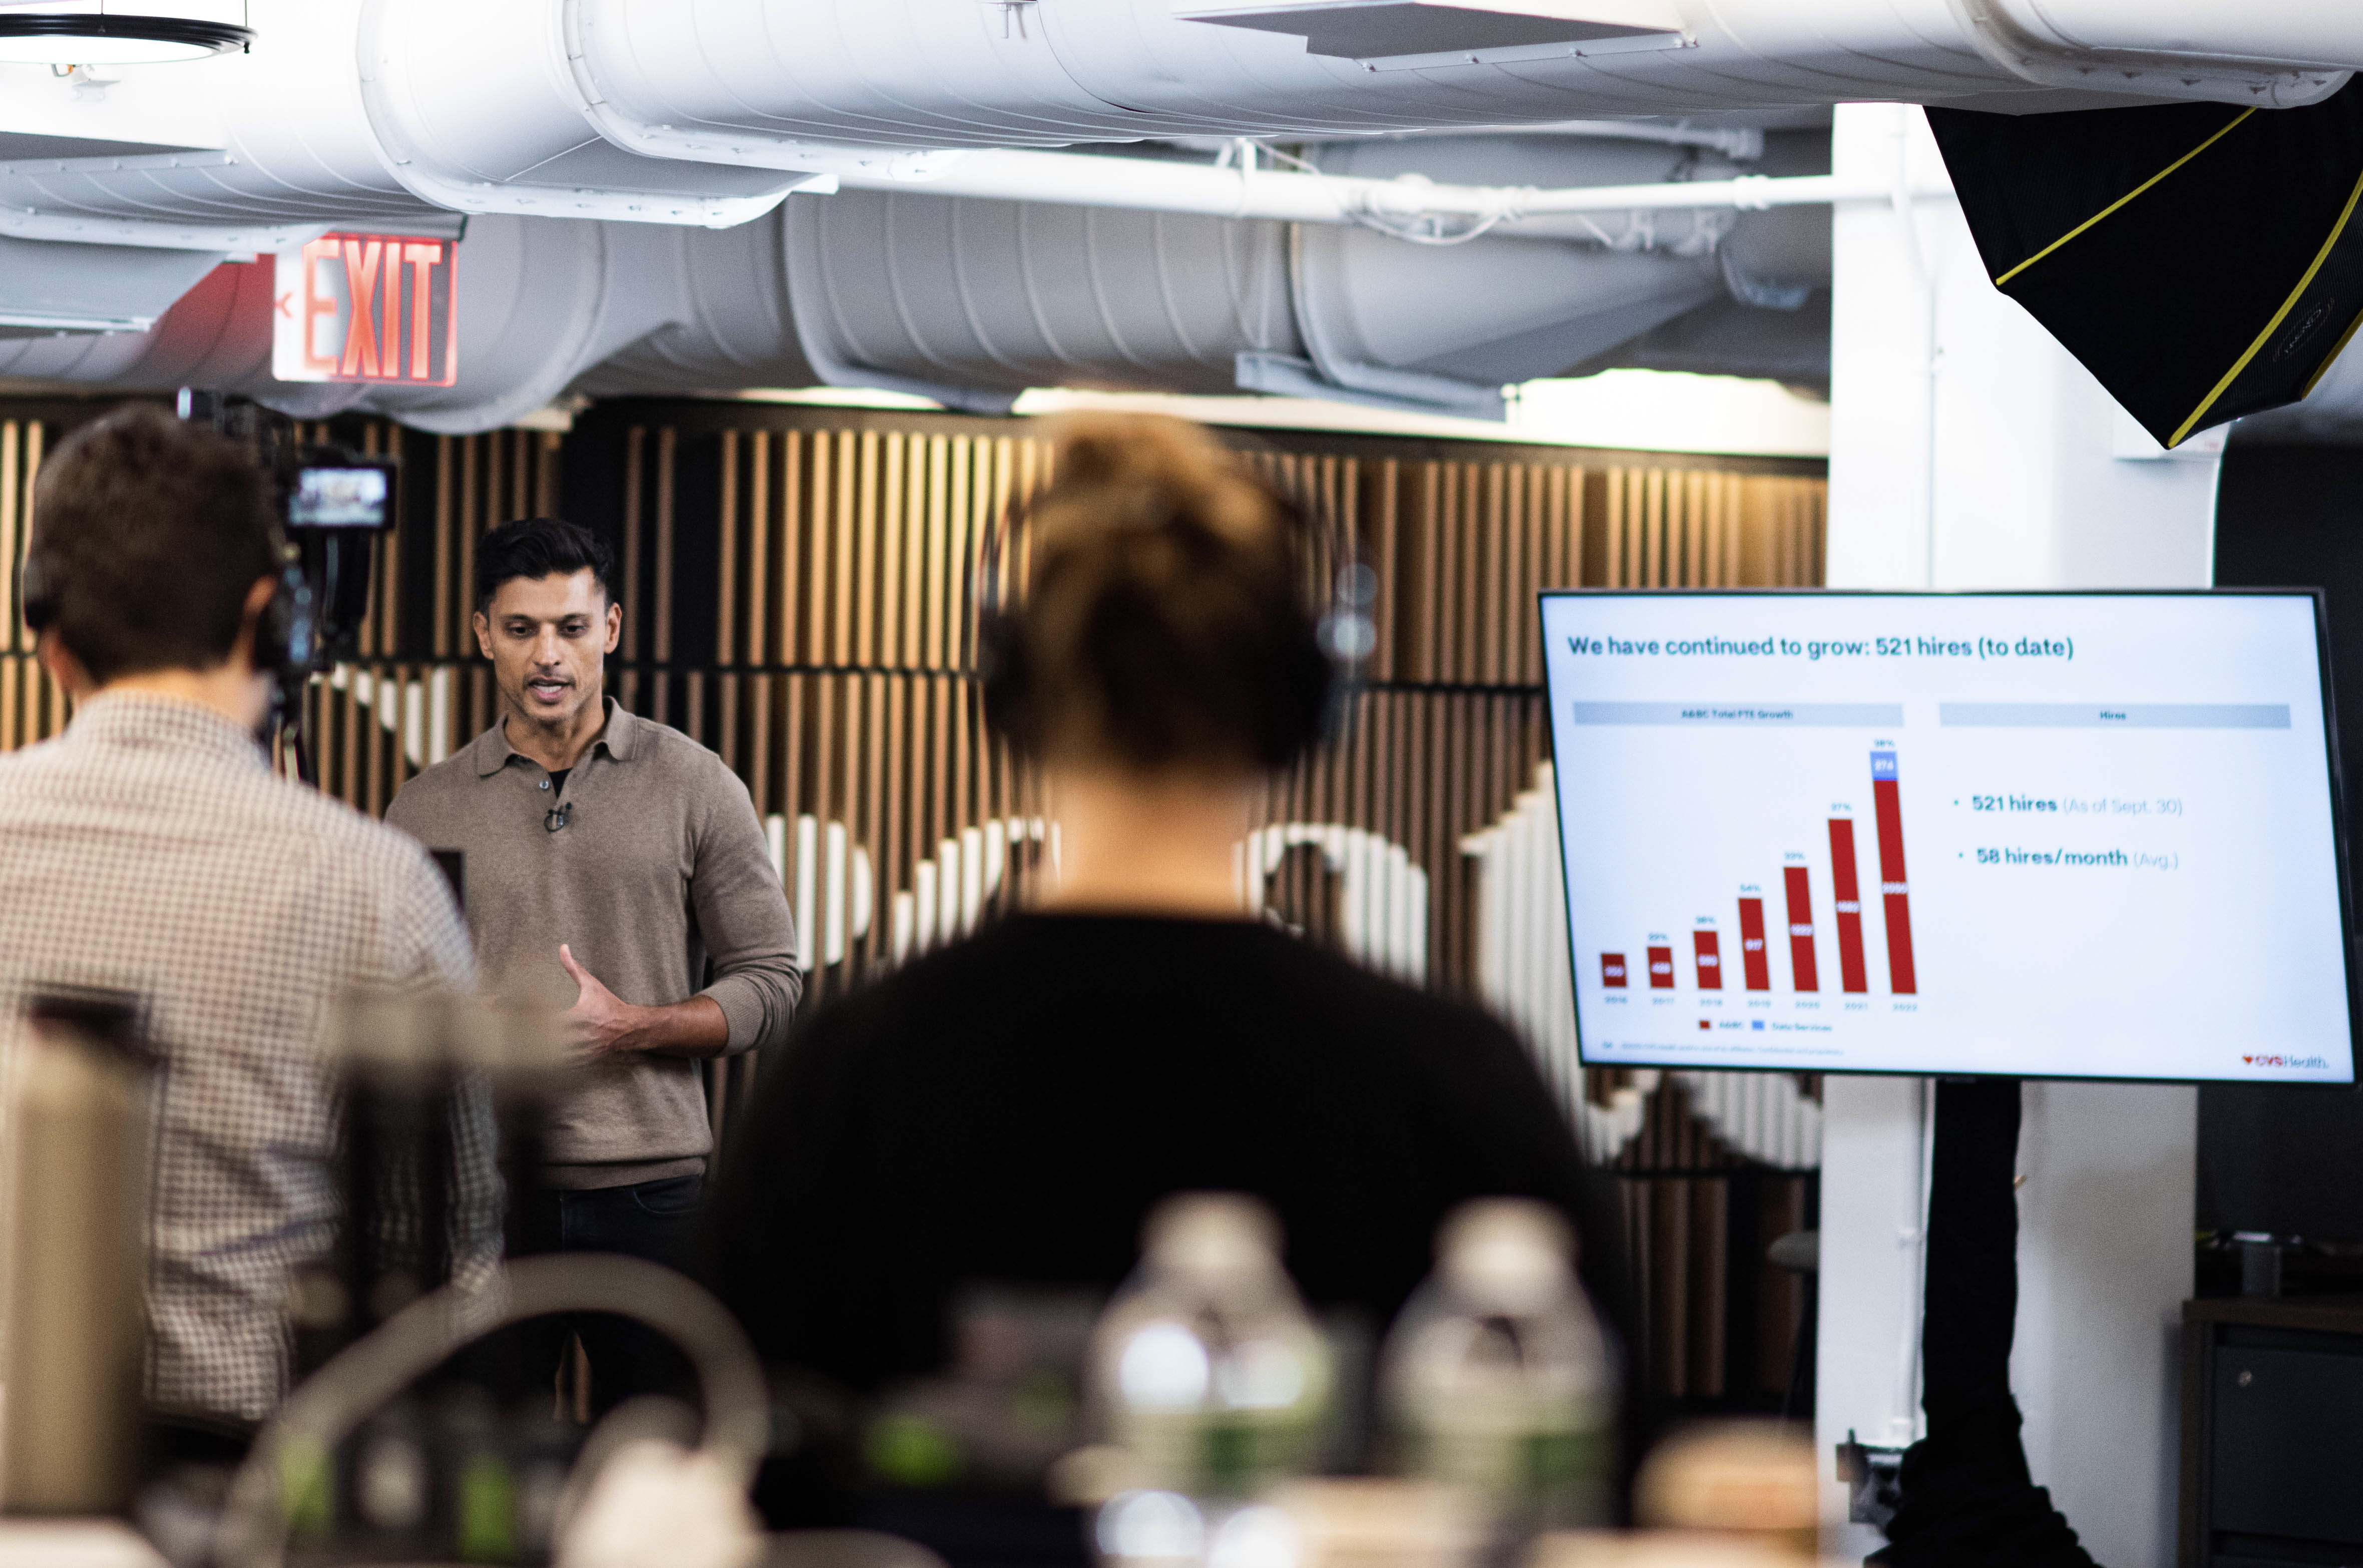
(150, 849)
(617, 857)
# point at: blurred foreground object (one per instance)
(654, 1504)
(2203, 260)
(1655, 1548)
(77, 1123)
(1496, 1379)
(422, 1072)
(1206, 1367)
(75, 1543)
(636, 1496)
(1211, 1377)
(1737, 1478)
(1381, 1524)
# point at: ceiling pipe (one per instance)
(1741, 144)
(1392, 205)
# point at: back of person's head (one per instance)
(149, 536)
(535, 548)
(1165, 625)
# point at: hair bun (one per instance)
(1164, 622)
(1171, 469)
(1120, 449)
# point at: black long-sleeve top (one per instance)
(1008, 1110)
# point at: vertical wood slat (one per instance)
(844, 526)
(729, 530)
(818, 515)
(465, 526)
(13, 636)
(15, 640)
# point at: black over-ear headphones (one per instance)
(36, 598)
(285, 634)
(1313, 673)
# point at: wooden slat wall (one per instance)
(826, 576)
(32, 706)
(1720, 1321)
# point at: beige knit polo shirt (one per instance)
(660, 867)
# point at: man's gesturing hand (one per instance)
(599, 1023)
(603, 1024)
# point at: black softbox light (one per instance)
(2203, 260)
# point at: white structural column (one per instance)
(1968, 451)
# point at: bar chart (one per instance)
(1798, 874)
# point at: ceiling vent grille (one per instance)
(1411, 31)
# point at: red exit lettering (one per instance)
(368, 307)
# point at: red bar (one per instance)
(1801, 930)
(1851, 974)
(1661, 969)
(1612, 969)
(1902, 977)
(1752, 961)
(1709, 952)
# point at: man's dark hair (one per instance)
(148, 535)
(536, 548)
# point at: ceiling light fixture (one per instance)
(59, 39)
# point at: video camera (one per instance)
(332, 502)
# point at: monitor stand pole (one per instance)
(1967, 1498)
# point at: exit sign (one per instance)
(367, 307)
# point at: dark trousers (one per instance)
(650, 1221)
(1968, 1500)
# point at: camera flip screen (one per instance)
(354, 497)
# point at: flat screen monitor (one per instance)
(2037, 835)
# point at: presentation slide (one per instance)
(2041, 835)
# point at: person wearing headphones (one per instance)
(151, 850)
(1006, 1111)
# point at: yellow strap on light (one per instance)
(2324, 369)
(2279, 316)
(2128, 196)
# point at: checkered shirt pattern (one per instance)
(152, 849)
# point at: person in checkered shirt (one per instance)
(150, 849)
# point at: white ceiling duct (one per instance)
(717, 81)
(477, 112)
(108, 288)
(1450, 325)
(285, 122)
(663, 118)
(732, 327)
(218, 335)
(706, 111)
(973, 302)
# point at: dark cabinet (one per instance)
(2272, 1432)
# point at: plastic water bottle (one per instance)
(1497, 1380)
(1208, 1371)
